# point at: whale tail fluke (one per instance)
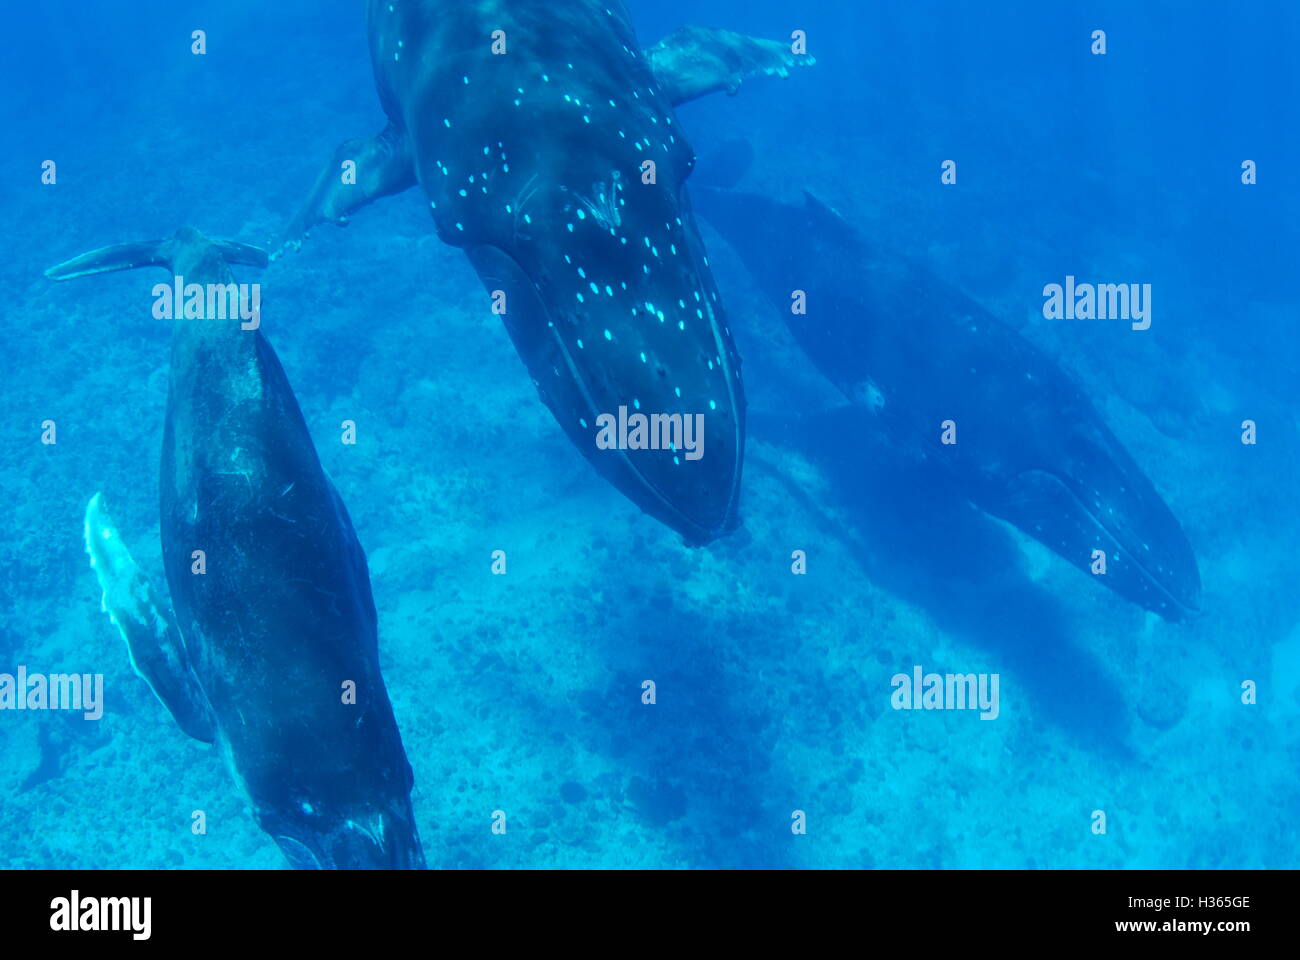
(232, 251)
(152, 641)
(155, 253)
(360, 171)
(117, 256)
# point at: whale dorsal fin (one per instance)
(693, 61)
(356, 556)
(827, 217)
(824, 210)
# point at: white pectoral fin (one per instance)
(152, 640)
(360, 171)
(694, 61)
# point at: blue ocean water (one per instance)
(771, 741)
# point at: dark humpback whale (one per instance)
(1031, 448)
(530, 125)
(282, 622)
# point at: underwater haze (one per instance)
(577, 686)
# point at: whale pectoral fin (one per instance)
(693, 61)
(360, 171)
(153, 642)
(117, 256)
(1160, 575)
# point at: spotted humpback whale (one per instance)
(273, 651)
(546, 145)
(1031, 449)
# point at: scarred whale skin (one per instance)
(1031, 449)
(282, 618)
(531, 160)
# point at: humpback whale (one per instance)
(1031, 449)
(273, 650)
(545, 142)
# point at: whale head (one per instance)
(625, 317)
(364, 839)
(562, 176)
